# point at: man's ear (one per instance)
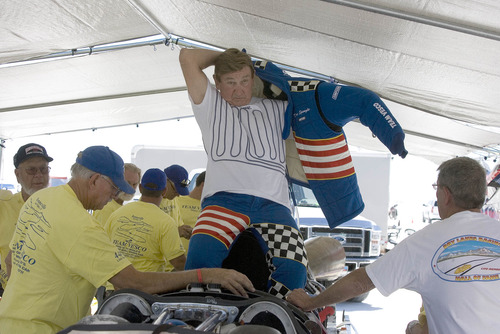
(448, 198)
(93, 179)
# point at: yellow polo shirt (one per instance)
(145, 234)
(10, 205)
(60, 255)
(102, 215)
(189, 208)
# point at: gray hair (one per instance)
(80, 172)
(466, 180)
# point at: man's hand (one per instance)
(185, 231)
(229, 279)
(300, 298)
(414, 327)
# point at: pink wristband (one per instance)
(200, 279)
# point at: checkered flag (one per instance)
(260, 64)
(303, 86)
(283, 241)
(279, 290)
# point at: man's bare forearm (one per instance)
(203, 58)
(193, 62)
(352, 285)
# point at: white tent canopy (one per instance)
(435, 63)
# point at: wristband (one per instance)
(200, 279)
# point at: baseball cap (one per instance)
(29, 151)
(154, 179)
(101, 159)
(179, 176)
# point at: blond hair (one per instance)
(132, 168)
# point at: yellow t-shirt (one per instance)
(189, 209)
(145, 234)
(102, 215)
(10, 205)
(60, 255)
(171, 207)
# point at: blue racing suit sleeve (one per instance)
(342, 104)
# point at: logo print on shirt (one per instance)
(249, 136)
(468, 258)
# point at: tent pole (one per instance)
(419, 19)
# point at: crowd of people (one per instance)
(57, 249)
(58, 245)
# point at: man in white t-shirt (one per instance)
(246, 185)
(61, 254)
(454, 264)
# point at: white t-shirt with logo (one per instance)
(454, 265)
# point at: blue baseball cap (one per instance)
(154, 179)
(101, 159)
(179, 176)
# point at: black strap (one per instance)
(331, 125)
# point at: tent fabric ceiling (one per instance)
(435, 63)
(34, 28)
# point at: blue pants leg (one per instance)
(226, 215)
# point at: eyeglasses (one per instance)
(435, 186)
(34, 170)
(116, 189)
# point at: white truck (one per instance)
(360, 237)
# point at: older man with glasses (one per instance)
(32, 173)
(453, 263)
(132, 175)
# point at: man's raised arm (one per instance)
(193, 62)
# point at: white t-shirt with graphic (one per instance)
(454, 265)
(244, 145)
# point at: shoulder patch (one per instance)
(302, 86)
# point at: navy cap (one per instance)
(154, 179)
(30, 150)
(101, 159)
(179, 176)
